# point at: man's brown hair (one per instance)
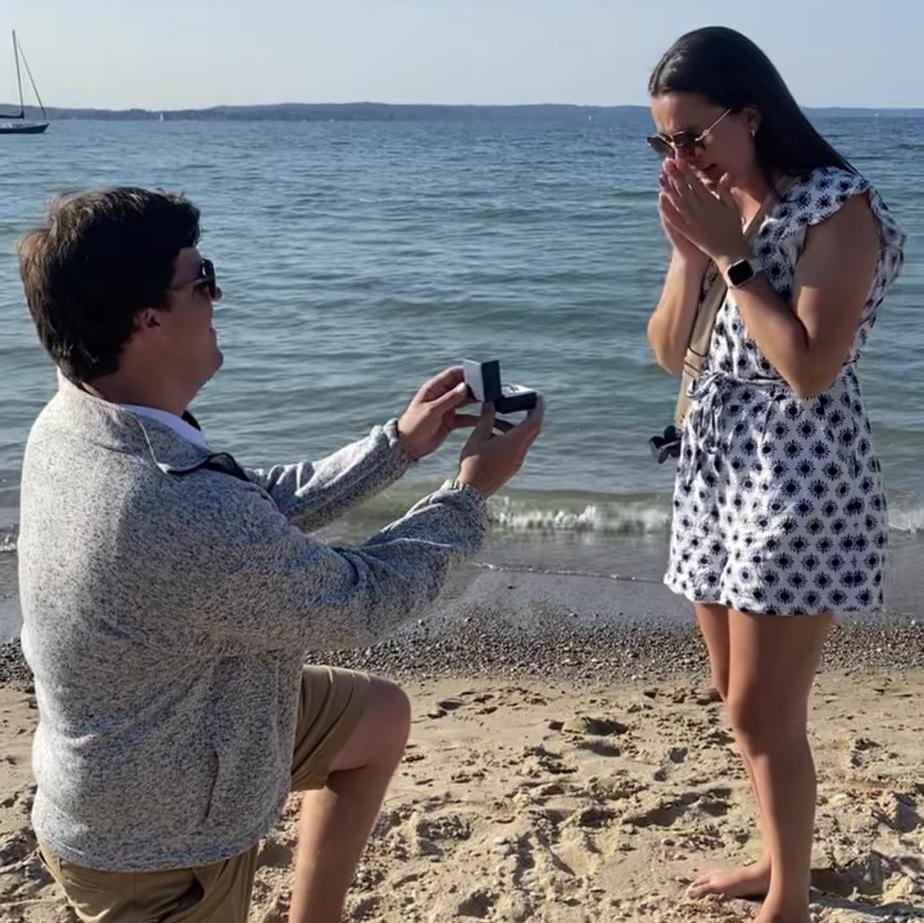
(101, 258)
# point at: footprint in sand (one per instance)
(366, 908)
(450, 704)
(278, 912)
(545, 762)
(599, 727)
(24, 879)
(445, 827)
(707, 696)
(713, 803)
(478, 904)
(515, 908)
(391, 820)
(674, 757)
(718, 737)
(866, 875)
(600, 747)
(594, 817)
(462, 777)
(369, 876)
(663, 815)
(275, 855)
(474, 698)
(860, 750)
(899, 811)
(17, 847)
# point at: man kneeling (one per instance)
(169, 595)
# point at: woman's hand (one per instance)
(684, 250)
(708, 220)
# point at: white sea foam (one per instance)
(630, 517)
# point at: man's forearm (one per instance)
(312, 494)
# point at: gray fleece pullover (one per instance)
(167, 616)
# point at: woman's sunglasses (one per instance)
(204, 282)
(684, 142)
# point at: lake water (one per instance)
(358, 258)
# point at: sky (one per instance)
(196, 53)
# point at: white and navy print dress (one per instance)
(778, 504)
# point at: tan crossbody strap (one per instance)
(704, 322)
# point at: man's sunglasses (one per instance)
(205, 281)
(684, 142)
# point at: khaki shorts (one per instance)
(331, 704)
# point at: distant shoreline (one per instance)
(371, 112)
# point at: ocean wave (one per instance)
(909, 520)
(8, 538)
(648, 516)
(632, 517)
(534, 516)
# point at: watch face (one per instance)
(740, 272)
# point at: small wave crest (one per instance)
(907, 520)
(8, 536)
(645, 516)
(631, 517)
(557, 516)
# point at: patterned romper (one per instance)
(778, 501)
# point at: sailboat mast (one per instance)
(22, 108)
(25, 62)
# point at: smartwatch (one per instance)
(740, 272)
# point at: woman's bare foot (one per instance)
(750, 881)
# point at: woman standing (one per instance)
(779, 511)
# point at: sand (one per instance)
(564, 801)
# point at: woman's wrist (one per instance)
(731, 254)
(684, 262)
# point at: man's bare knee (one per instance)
(381, 734)
(395, 711)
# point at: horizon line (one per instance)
(213, 106)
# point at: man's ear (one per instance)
(147, 319)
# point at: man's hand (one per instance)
(488, 461)
(431, 416)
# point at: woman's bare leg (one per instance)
(752, 880)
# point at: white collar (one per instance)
(171, 420)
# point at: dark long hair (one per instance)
(731, 71)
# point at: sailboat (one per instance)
(18, 124)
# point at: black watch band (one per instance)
(740, 272)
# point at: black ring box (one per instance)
(484, 383)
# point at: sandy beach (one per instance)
(577, 770)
